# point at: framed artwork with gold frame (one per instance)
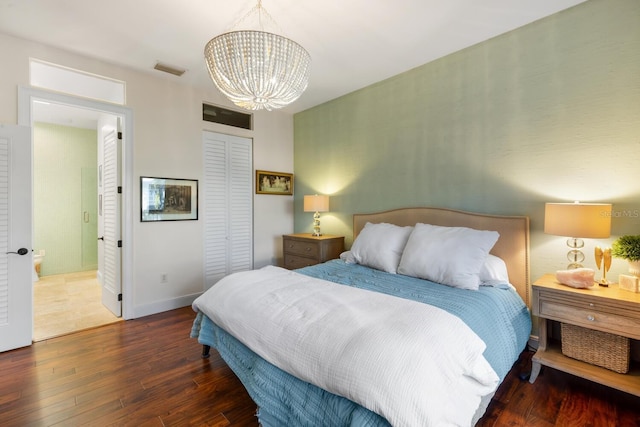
(279, 183)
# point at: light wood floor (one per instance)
(66, 303)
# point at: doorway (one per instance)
(26, 117)
(66, 291)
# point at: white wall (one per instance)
(167, 142)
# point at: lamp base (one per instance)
(575, 255)
(316, 225)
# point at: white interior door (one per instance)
(112, 235)
(16, 259)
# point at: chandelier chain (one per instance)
(260, 11)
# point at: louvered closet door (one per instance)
(227, 205)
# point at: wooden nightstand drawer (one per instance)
(302, 250)
(588, 318)
(292, 262)
(594, 308)
(300, 247)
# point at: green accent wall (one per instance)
(547, 112)
(65, 198)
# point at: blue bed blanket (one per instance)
(495, 313)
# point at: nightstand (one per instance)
(606, 309)
(304, 249)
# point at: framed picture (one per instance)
(274, 183)
(166, 199)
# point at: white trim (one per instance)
(165, 305)
(26, 96)
(61, 79)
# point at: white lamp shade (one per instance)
(581, 220)
(316, 203)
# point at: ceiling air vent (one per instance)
(169, 69)
(215, 114)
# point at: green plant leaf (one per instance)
(626, 247)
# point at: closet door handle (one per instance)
(101, 238)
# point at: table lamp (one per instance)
(316, 204)
(577, 221)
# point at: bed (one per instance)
(375, 338)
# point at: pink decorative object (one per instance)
(576, 278)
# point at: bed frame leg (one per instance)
(205, 351)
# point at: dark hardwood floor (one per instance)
(558, 399)
(143, 372)
(148, 372)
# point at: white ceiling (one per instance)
(352, 43)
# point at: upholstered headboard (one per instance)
(512, 245)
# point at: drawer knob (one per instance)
(308, 249)
(591, 318)
(591, 304)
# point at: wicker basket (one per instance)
(598, 348)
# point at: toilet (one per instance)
(37, 261)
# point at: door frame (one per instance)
(26, 97)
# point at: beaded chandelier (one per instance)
(258, 69)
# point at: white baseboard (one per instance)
(162, 306)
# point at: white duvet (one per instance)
(414, 364)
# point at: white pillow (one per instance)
(347, 257)
(380, 246)
(449, 255)
(494, 269)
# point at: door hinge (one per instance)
(119, 243)
(119, 135)
(120, 189)
(119, 297)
